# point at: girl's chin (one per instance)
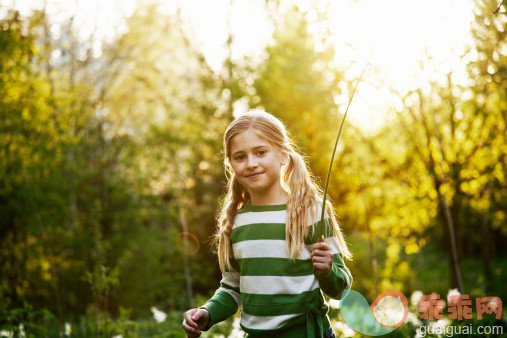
(256, 188)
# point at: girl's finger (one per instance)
(190, 330)
(321, 246)
(320, 266)
(321, 261)
(197, 316)
(320, 253)
(189, 321)
(192, 335)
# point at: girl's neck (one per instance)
(281, 198)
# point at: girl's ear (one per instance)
(286, 158)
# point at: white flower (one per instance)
(345, 329)
(416, 297)
(412, 318)
(158, 315)
(21, 330)
(236, 331)
(441, 323)
(452, 292)
(117, 336)
(335, 304)
(68, 329)
(6, 334)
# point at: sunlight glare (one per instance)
(409, 43)
(186, 243)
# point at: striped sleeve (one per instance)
(339, 277)
(226, 300)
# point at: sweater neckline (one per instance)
(273, 207)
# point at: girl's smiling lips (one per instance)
(253, 175)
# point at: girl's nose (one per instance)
(252, 162)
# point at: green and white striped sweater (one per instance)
(278, 296)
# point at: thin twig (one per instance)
(334, 151)
(499, 6)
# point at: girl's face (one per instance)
(256, 164)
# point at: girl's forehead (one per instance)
(248, 139)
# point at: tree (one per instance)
(486, 179)
(29, 159)
(298, 85)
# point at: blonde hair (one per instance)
(296, 178)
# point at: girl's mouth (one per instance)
(254, 175)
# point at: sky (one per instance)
(393, 36)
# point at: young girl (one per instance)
(274, 264)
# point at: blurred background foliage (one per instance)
(106, 160)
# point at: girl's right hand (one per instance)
(194, 321)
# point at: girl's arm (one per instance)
(226, 300)
(333, 275)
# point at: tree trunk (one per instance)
(450, 243)
(373, 257)
(184, 227)
(486, 249)
(186, 263)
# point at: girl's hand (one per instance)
(194, 321)
(322, 258)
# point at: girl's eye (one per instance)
(241, 157)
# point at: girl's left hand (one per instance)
(322, 258)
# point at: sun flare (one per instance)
(407, 43)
